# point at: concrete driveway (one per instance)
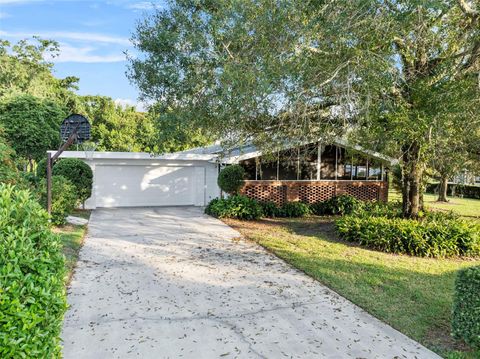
(174, 283)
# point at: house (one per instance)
(309, 173)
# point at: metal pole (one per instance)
(49, 183)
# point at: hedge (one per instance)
(466, 307)
(238, 206)
(32, 292)
(64, 198)
(462, 190)
(425, 238)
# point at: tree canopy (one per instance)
(387, 74)
(32, 125)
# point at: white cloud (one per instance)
(70, 53)
(79, 36)
(142, 5)
(4, 15)
(139, 106)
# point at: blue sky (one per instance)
(93, 36)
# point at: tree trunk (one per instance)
(412, 187)
(442, 192)
(414, 194)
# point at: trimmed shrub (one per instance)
(32, 294)
(466, 307)
(426, 238)
(294, 210)
(77, 172)
(270, 209)
(238, 206)
(230, 179)
(64, 198)
(343, 204)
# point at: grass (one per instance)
(414, 295)
(468, 208)
(72, 240)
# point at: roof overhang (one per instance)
(178, 156)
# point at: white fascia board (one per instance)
(137, 156)
(256, 153)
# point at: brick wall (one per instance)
(314, 191)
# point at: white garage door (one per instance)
(135, 185)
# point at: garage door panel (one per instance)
(121, 186)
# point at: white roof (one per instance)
(250, 151)
(212, 153)
(179, 156)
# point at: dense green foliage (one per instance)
(64, 198)
(400, 77)
(343, 204)
(231, 178)
(293, 210)
(237, 206)
(466, 307)
(32, 300)
(436, 235)
(31, 125)
(8, 171)
(78, 173)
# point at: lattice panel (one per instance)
(315, 193)
(364, 193)
(266, 193)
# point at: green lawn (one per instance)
(412, 294)
(72, 240)
(465, 207)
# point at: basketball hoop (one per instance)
(74, 129)
(89, 148)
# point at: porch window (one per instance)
(268, 169)
(328, 162)
(344, 164)
(250, 167)
(288, 165)
(308, 162)
(374, 170)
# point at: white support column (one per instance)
(382, 170)
(320, 161)
(336, 162)
(256, 168)
(319, 154)
(367, 174)
(351, 170)
(298, 164)
(278, 166)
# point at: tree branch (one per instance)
(467, 9)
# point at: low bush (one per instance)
(32, 294)
(270, 209)
(294, 210)
(238, 206)
(64, 198)
(425, 238)
(343, 204)
(230, 179)
(77, 172)
(466, 307)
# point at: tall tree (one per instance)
(117, 128)
(32, 126)
(26, 68)
(383, 72)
